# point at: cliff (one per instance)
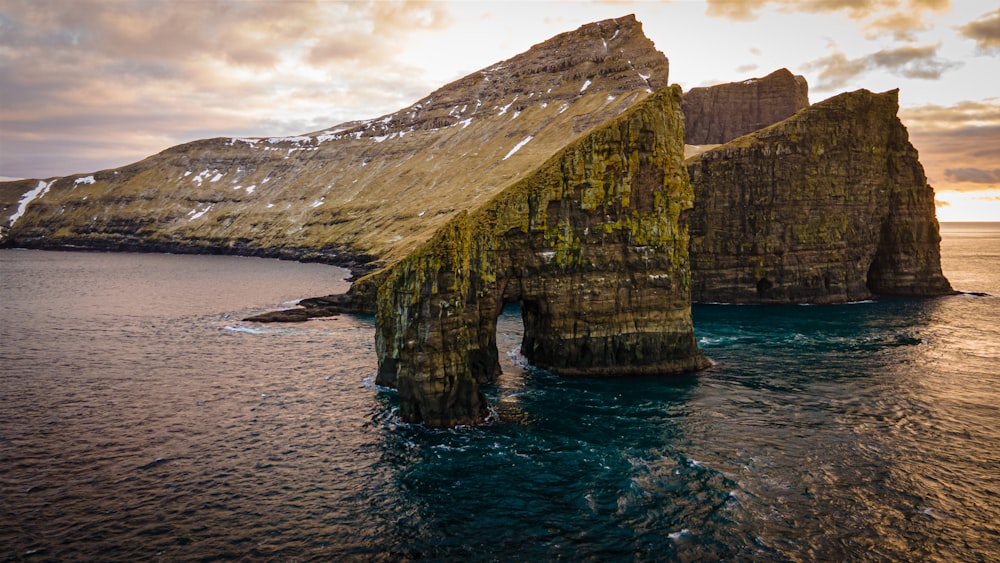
(556, 179)
(718, 114)
(591, 244)
(829, 205)
(361, 194)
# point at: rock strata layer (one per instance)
(718, 114)
(830, 205)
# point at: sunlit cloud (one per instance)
(142, 76)
(969, 113)
(985, 31)
(836, 71)
(964, 206)
(959, 145)
(974, 175)
(889, 12)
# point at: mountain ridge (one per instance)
(351, 194)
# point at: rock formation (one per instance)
(555, 179)
(718, 114)
(590, 244)
(829, 205)
(363, 193)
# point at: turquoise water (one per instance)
(139, 418)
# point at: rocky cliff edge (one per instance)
(829, 205)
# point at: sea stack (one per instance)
(829, 205)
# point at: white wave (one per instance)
(680, 534)
(369, 383)
(243, 329)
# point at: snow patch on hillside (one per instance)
(30, 196)
(196, 213)
(518, 146)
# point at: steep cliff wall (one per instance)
(590, 243)
(368, 191)
(829, 205)
(718, 114)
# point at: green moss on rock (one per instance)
(591, 244)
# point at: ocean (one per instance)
(140, 419)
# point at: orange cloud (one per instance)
(746, 10)
(985, 30)
(96, 70)
(836, 70)
(973, 175)
(959, 145)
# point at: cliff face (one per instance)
(555, 179)
(830, 205)
(590, 243)
(718, 114)
(368, 191)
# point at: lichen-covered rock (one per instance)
(591, 244)
(829, 205)
(718, 114)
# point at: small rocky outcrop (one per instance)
(591, 244)
(718, 114)
(829, 205)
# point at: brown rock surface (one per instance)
(718, 114)
(829, 205)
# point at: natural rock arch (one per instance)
(592, 245)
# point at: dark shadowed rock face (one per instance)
(830, 205)
(591, 244)
(719, 114)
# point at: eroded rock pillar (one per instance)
(593, 246)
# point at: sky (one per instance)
(87, 85)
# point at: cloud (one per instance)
(962, 115)
(940, 203)
(746, 10)
(959, 145)
(186, 70)
(922, 62)
(985, 31)
(973, 175)
(901, 25)
(899, 18)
